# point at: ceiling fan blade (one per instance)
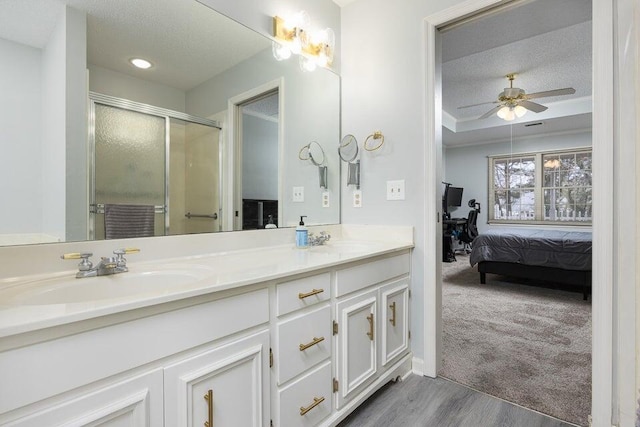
(532, 106)
(475, 105)
(490, 112)
(555, 92)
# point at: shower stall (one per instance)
(156, 162)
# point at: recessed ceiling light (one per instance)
(140, 63)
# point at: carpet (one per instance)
(524, 344)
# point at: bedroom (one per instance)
(553, 53)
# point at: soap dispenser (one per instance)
(302, 234)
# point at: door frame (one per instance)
(605, 399)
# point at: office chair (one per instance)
(470, 229)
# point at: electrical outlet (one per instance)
(395, 190)
(326, 199)
(298, 194)
(357, 199)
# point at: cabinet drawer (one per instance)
(303, 293)
(307, 401)
(359, 277)
(303, 342)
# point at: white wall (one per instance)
(20, 138)
(259, 158)
(113, 83)
(467, 167)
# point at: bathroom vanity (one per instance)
(261, 334)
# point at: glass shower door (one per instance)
(129, 164)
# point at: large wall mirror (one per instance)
(204, 140)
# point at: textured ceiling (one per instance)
(547, 43)
(187, 42)
(267, 106)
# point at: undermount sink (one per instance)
(69, 290)
(345, 247)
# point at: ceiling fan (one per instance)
(514, 102)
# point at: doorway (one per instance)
(603, 367)
(256, 138)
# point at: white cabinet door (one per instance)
(357, 337)
(135, 402)
(394, 307)
(225, 386)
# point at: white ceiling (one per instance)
(187, 42)
(546, 42)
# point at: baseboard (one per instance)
(417, 366)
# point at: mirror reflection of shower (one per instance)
(154, 171)
(258, 149)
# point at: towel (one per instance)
(125, 221)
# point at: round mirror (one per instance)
(348, 149)
(316, 153)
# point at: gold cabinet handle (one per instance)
(316, 402)
(315, 341)
(370, 333)
(209, 398)
(393, 314)
(308, 294)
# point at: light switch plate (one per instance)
(395, 190)
(326, 199)
(357, 199)
(298, 194)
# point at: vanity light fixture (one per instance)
(293, 36)
(140, 63)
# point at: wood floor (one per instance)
(421, 401)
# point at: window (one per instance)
(544, 187)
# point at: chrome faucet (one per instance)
(319, 240)
(106, 266)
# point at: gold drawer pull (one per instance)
(308, 294)
(316, 402)
(315, 341)
(370, 333)
(209, 398)
(393, 314)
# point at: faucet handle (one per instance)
(119, 253)
(85, 264)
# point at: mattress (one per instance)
(569, 250)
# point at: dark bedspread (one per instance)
(569, 250)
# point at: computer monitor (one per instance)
(454, 196)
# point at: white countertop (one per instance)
(213, 272)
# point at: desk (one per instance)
(449, 225)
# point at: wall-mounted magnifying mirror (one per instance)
(315, 154)
(348, 151)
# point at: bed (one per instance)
(549, 255)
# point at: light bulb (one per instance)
(296, 45)
(502, 113)
(307, 64)
(322, 59)
(510, 115)
(519, 110)
(280, 51)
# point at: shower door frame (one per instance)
(167, 115)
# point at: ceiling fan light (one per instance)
(510, 115)
(502, 113)
(520, 111)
